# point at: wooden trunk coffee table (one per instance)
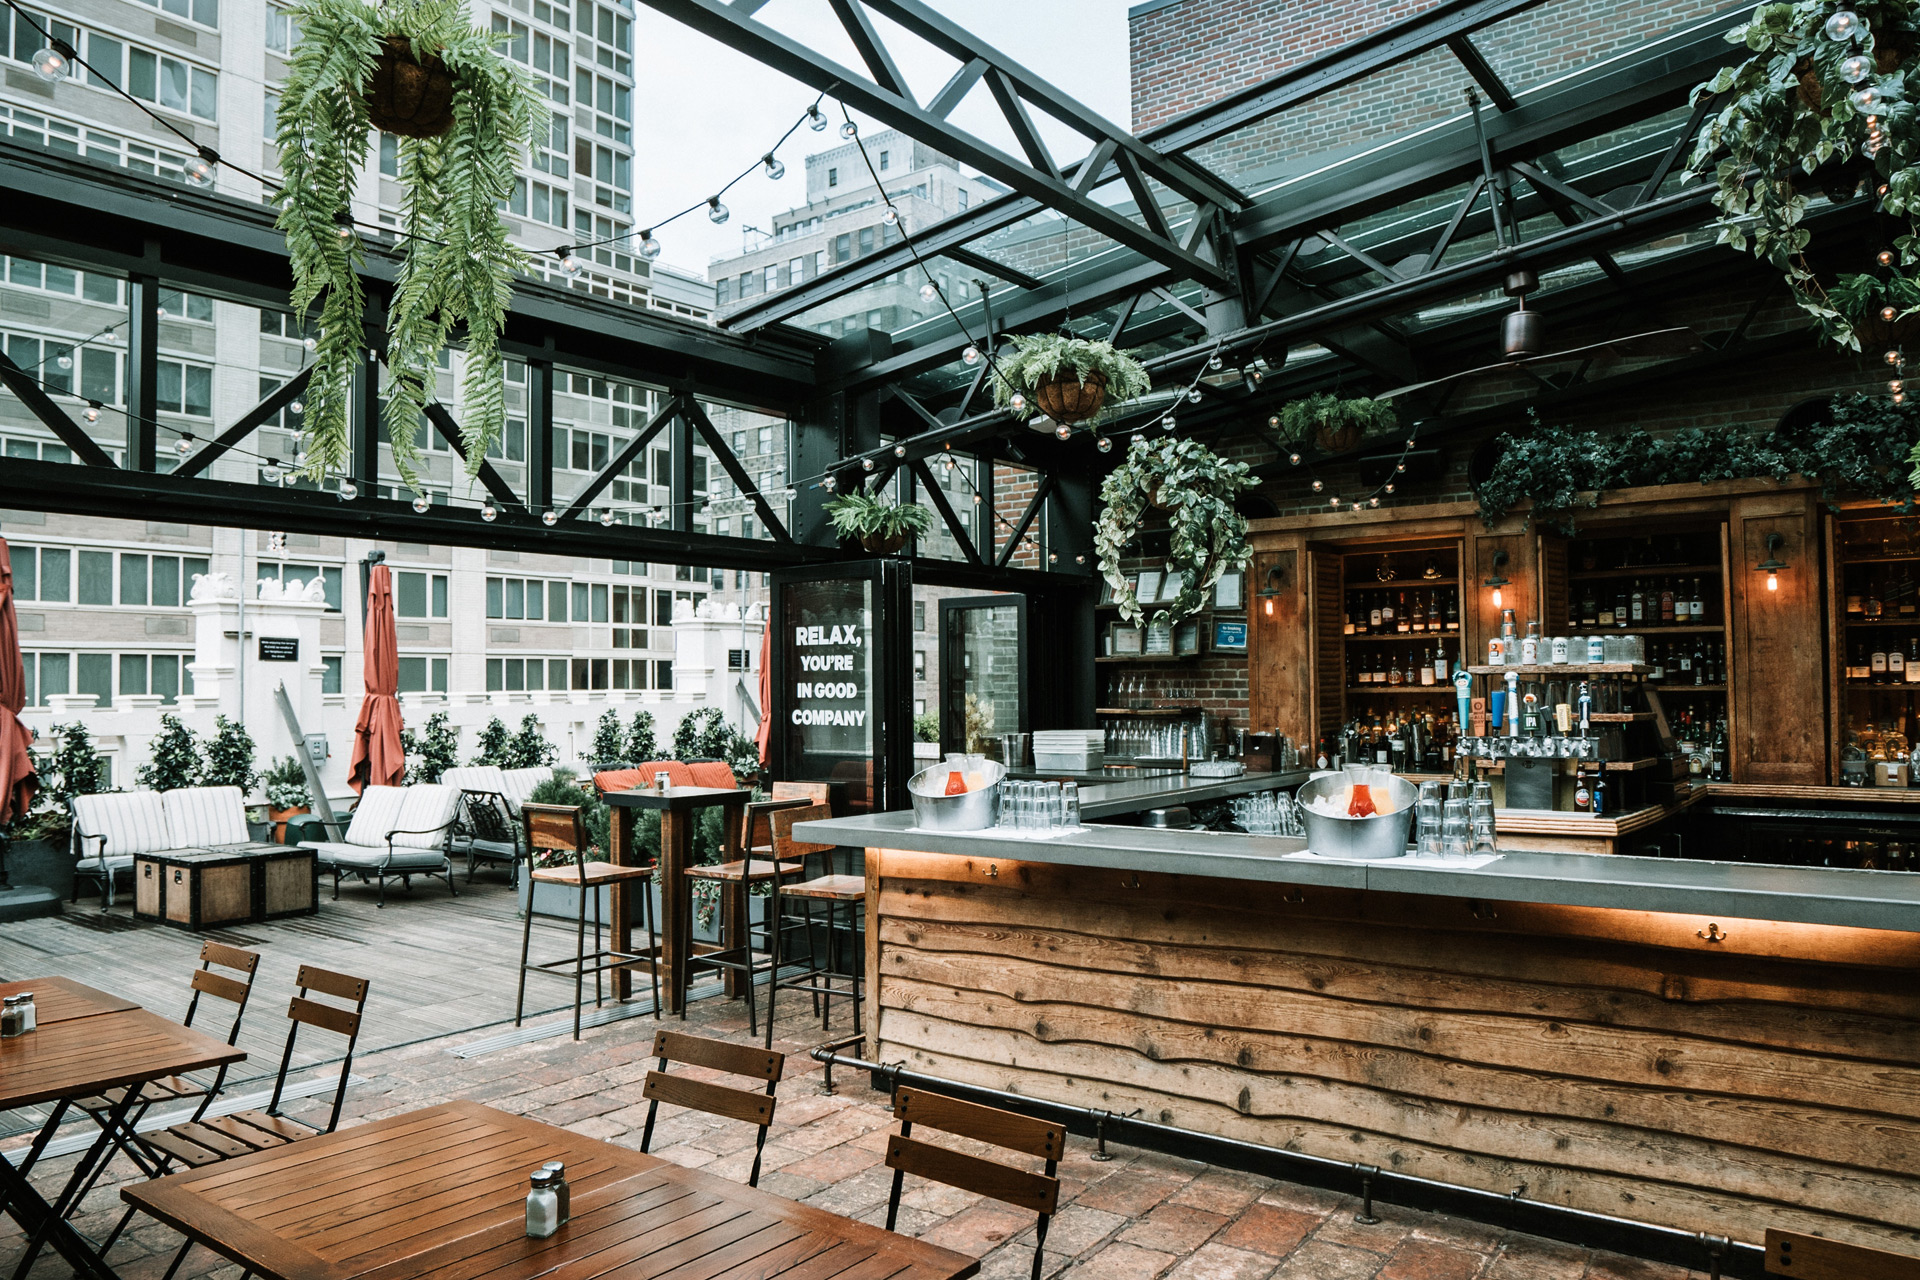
(227, 884)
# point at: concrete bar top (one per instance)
(1806, 895)
(1109, 799)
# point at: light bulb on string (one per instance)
(1251, 376)
(343, 225)
(1335, 503)
(649, 247)
(489, 512)
(948, 463)
(1063, 432)
(1893, 358)
(1193, 395)
(899, 451)
(816, 118)
(1017, 402)
(1884, 257)
(568, 263)
(890, 216)
(827, 482)
(866, 464)
(1318, 486)
(1373, 502)
(976, 499)
(1856, 68)
(348, 490)
(606, 518)
(549, 517)
(970, 355)
(64, 361)
(929, 291)
(1214, 362)
(296, 407)
(1273, 422)
(309, 343)
(716, 212)
(198, 170)
(92, 413)
(1845, 25)
(1399, 466)
(1888, 313)
(54, 62)
(849, 129)
(421, 503)
(1866, 98)
(1169, 423)
(771, 163)
(1053, 557)
(1104, 444)
(183, 446)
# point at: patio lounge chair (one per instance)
(396, 833)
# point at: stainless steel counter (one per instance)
(1807, 895)
(1109, 797)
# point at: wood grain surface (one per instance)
(440, 1194)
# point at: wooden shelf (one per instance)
(1434, 689)
(1402, 637)
(1150, 657)
(1400, 584)
(1642, 571)
(1688, 629)
(1184, 710)
(1566, 669)
(1853, 686)
(1910, 623)
(1846, 560)
(1686, 688)
(1619, 717)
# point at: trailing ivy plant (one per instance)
(1209, 536)
(1854, 450)
(1819, 104)
(455, 263)
(1032, 359)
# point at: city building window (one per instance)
(843, 248)
(422, 674)
(833, 177)
(795, 268)
(96, 578)
(186, 306)
(819, 261)
(515, 675)
(883, 162)
(419, 595)
(919, 664)
(723, 290)
(770, 277)
(283, 30)
(919, 615)
(330, 667)
(866, 241)
(525, 598)
(184, 388)
(156, 78)
(663, 675)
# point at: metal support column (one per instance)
(539, 435)
(680, 474)
(364, 422)
(143, 371)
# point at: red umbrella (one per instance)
(764, 735)
(377, 756)
(17, 780)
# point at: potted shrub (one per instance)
(1209, 536)
(1335, 425)
(417, 69)
(1071, 380)
(287, 797)
(881, 524)
(41, 851)
(173, 758)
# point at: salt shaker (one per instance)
(543, 1206)
(560, 1188)
(29, 1012)
(662, 782)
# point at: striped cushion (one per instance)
(713, 773)
(198, 817)
(132, 821)
(426, 809)
(375, 816)
(521, 782)
(356, 855)
(480, 777)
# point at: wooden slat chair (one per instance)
(1790, 1253)
(817, 792)
(906, 1154)
(179, 1089)
(198, 1143)
(727, 1101)
(824, 982)
(563, 828)
(736, 880)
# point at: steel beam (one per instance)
(624, 456)
(724, 454)
(52, 416)
(449, 430)
(248, 423)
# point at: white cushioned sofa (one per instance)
(111, 829)
(397, 833)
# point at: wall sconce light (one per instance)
(1772, 565)
(1273, 590)
(1498, 580)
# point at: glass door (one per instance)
(983, 671)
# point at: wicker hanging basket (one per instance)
(1067, 399)
(409, 98)
(1331, 439)
(882, 544)
(1877, 335)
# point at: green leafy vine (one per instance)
(1209, 535)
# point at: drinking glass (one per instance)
(1430, 825)
(1460, 788)
(1455, 829)
(1070, 804)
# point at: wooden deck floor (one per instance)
(437, 965)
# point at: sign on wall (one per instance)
(279, 648)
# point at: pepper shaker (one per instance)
(12, 1019)
(662, 782)
(561, 1188)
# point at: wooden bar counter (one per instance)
(1702, 1045)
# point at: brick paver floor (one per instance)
(1138, 1215)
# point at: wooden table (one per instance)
(441, 1194)
(679, 809)
(87, 1042)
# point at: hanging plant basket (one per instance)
(1070, 400)
(879, 524)
(883, 544)
(1333, 424)
(410, 98)
(1071, 380)
(1337, 437)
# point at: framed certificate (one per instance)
(1186, 639)
(1171, 585)
(1230, 637)
(1126, 641)
(1159, 639)
(1227, 593)
(1147, 585)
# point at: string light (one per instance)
(716, 212)
(891, 216)
(649, 247)
(1063, 432)
(899, 451)
(348, 490)
(198, 170)
(849, 129)
(183, 446)
(929, 291)
(1318, 486)
(421, 503)
(771, 163)
(549, 517)
(568, 263)
(1193, 395)
(1104, 444)
(816, 118)
(970, 356)
(606, 518)
(92, 413)
(866, 464)
(53, 62)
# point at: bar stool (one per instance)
(821, 981)
(735, 955)
(563, 828)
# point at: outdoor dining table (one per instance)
(86, 1042)
(440, 1194)
(679, 809)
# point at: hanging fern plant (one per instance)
(1209, 536)
(1071, 380)
(1333, 424)
(463, 113)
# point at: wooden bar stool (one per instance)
(735, 955)
(821, 981)
(563, 828)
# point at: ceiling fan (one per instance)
(1523, 335)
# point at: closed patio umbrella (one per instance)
(17, 780)
(378, 759)
(764, 735)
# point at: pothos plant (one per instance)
(1209, 535)
(1069, 379)
(1820, 104)
(463, 113)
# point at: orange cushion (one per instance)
(677, 774)
(713, 773)
(637, 779)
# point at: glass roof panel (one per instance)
(1532, 49)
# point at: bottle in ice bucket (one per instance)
(1360, 802)
(956, 774)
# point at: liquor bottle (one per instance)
(1856, 605)
(1666, 605)
(1411, 676)
(1589, 608)
(1453, 611)
(1682, 607)
(1699, 663)
(1386, 611)
(1638, 608)
(1896, 664)
(1348, 628)
(1393, 673)
(1697, 610)
(1874, 606)
(1582, 795)
(1604, 618)
(1913, 661)
(1433, 611)
(1621, 607)
(1657, 661)
(1439, 665)
(1877, 660)
(1717, 751)
(1373, 614)
(1858, 670)
(1401, 622)
(1530, 646)
(1419, 618)
(1600, 803)
(1426, 668)
(1509, 632)
(1686, 665)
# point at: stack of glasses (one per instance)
(1267, 813)
(1456, 819)
(1039, 806)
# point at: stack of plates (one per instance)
(1077, 749)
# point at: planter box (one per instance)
(46, 864)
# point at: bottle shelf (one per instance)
(1856, 686)
(1185, 709)
(1655, 631)
(1847, 560)
(1643, 571)
(1149, 657)
(1619, 717)
(1910, 623)
(1687, 688)
(1402, 637)
(1434, 690)
(1566, 668)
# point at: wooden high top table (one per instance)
(440, 1194)
(679, 809)
(87, 1042)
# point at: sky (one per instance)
(703, 113)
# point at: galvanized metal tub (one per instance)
(936, 811)
(1383, 835)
